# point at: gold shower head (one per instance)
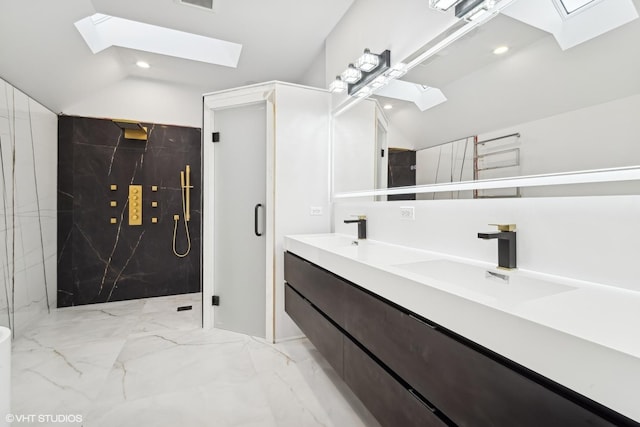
(132, 129)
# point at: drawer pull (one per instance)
(423, 322)
(419, 399)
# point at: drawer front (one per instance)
(467, 386)
(324, 336)
(323, 289)
(388, 401)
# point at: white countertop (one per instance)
(582, 335)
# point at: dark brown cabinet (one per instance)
(320, 287)
(326, 337)
(386, 398)
(468, 386)
(387, 351)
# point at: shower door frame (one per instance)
(224, 100)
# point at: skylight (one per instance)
(571, 6)
(102, 31)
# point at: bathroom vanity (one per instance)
(428, 340)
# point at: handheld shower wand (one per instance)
(185, 190)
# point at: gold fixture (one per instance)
(135, 205)
(185, 187)
(154, 204)
(113, 220)
(154, 188)
(113, 203)
(132, 129)
(154, 220)
(505, 227)
(186, 191)
(113, 187)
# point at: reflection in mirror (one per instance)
(544, 103)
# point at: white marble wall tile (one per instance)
(28, 133)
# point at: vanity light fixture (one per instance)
(473, 10)
(363, 92)
(500, 50)
(351, 75)
(398, 70)
(338, 85)
(379, 81)
(367, 74)
(442, 4)
(368, 61)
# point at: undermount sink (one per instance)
(508, 286)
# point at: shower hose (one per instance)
(176, 219)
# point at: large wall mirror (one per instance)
(509, 98)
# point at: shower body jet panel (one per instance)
(135, 205)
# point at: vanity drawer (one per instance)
(387, 399)
(469, 387)
(320, 287)
(324, 336)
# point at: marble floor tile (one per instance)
(168, 320)
(241, 404)
(169, 361)
(171, 303)
(73, 375)
(142, 363)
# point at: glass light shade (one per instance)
(476, 13)
(368, 61)
(442, 4)
(379, 81)
(398, 70)
(351, 74)
(365, 91)
(338, 85)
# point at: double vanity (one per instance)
(425, 339)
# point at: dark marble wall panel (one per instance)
(102, 262)
(402, 172)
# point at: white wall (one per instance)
(145, 101)
(599, 136)
(587, 238)
(301, 179)
(398, 138)
(354, 146)
(315, 75)
(28, 134)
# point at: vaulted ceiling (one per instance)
(43, 54)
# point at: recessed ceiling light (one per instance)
(143, 64)
(500, 50)
(387, 106)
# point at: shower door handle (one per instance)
(255, 219)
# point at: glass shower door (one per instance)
(239, 211)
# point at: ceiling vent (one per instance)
(200, 4)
